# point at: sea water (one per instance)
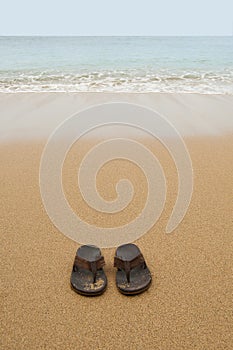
(132, 64)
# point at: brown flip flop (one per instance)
(133, 276)
(88, 277)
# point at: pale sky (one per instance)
(118, 17)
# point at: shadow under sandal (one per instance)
(88, 277)
(133, 276)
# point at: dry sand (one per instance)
(190, 303)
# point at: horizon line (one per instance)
(125, 35)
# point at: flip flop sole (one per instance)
(135, 292)
(88, 294)
(82, 277)
(139, 276)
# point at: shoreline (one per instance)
(36, 115)
(119, 92)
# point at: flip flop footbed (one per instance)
(84, 280)
(139, 278)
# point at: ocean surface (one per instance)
(132, 64)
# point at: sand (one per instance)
(188, 306)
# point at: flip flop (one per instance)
(133, 276)
(88, 277)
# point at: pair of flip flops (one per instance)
(88, 277)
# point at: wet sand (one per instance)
(189, 305)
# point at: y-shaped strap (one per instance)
(92, 266)
(128, 265)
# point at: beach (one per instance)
(189, 304)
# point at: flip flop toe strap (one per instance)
(128, 265)
(92, 266)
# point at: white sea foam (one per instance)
(110, 81)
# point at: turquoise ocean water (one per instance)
(135, 64)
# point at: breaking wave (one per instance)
(117, 81)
